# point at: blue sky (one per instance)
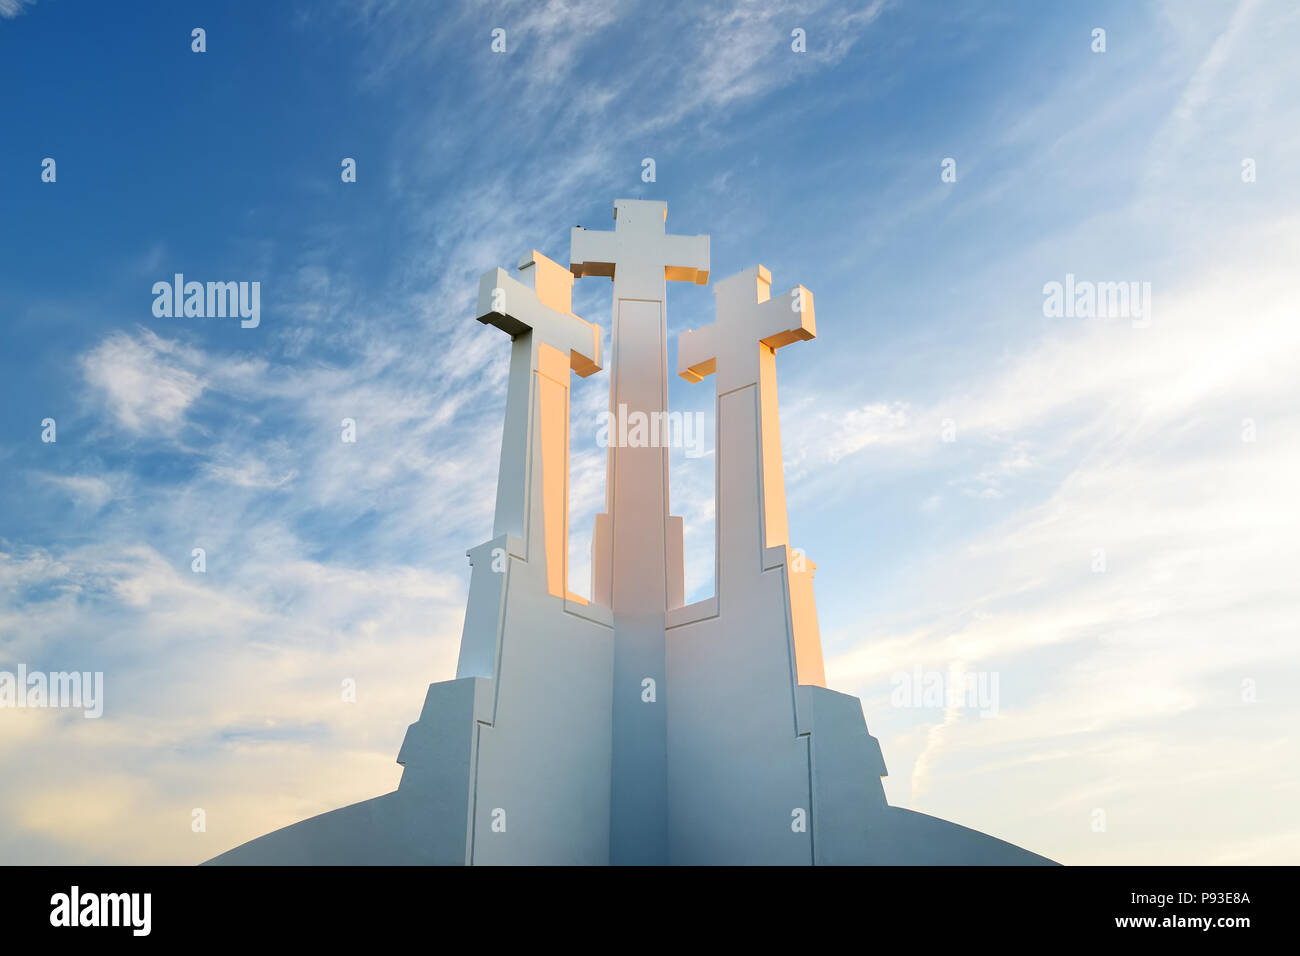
(1119, 691)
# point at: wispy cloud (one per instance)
(1153, 570)
(142, 385)
(11, 8)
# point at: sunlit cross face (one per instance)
(749, 322)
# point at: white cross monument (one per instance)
(632, 729)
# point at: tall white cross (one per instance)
(739, 348)
(637, 544)
(637, 560)
(548, 341)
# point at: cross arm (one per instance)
(774, 323)
(686, 259)
(787, 318)
(592, 252)
(697, 353)
(513, 307)
(595, 252)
